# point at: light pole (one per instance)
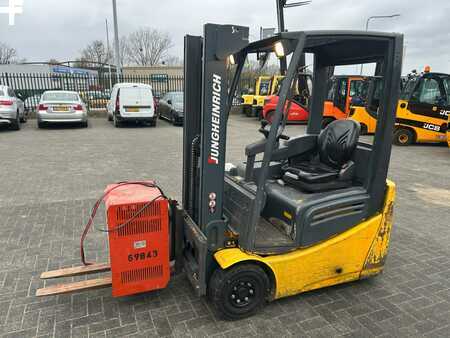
(116, 41)
(108, 53)
(376, 17)
(281, 5)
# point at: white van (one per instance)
(131, 102)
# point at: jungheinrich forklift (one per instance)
(314, 212)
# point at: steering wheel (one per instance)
(265, 129)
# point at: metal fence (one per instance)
(94, 90)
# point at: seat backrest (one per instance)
(337, 142)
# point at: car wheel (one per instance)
(172, 118)
(116, 122)
(238, 292)
(15, 125)
(403, 137)
(40, 124)
(85, 124)
(24, 118)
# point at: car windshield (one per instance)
(60, 96)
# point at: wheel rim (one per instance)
(242, 293)
(403, 138)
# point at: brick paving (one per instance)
(50, 178)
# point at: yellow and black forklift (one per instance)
(316, 210)
(265, 86)
(262, 89)
(423, 109)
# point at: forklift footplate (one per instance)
(75, 286)
(272, 234)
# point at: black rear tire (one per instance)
(238, 292)
(403, 137)
(15, 125)
(116, 122)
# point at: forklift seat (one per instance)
(331, 166)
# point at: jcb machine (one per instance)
(314, 212)
(423, 109)
(341, 90)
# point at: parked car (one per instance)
(171, 107)
(11, 108)
(61, 106)
(131, 102)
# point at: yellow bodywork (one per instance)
(257, 100)
(361, 115)
(448, 131)
(422, 135)
(357, 253)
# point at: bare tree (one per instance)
(96, 52)
(148, 47)
(53, 62)
(173, 60)
(7, 54)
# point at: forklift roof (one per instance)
(337, 47)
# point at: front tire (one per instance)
(238, 292)
(116, 122)
(15, 125)
(403, 137)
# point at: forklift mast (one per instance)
(207, 103)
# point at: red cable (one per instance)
(96, 206)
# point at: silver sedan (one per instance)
(59, 106)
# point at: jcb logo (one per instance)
(444, 112)
(432, 127)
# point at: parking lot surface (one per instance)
(50, 178)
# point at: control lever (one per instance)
(265, 132)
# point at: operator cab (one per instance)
(311, 187)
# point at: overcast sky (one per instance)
(61, 28)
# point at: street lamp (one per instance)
(116, 40)
(377, 17)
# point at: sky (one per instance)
(61, 28)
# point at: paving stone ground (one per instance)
(50, 178)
